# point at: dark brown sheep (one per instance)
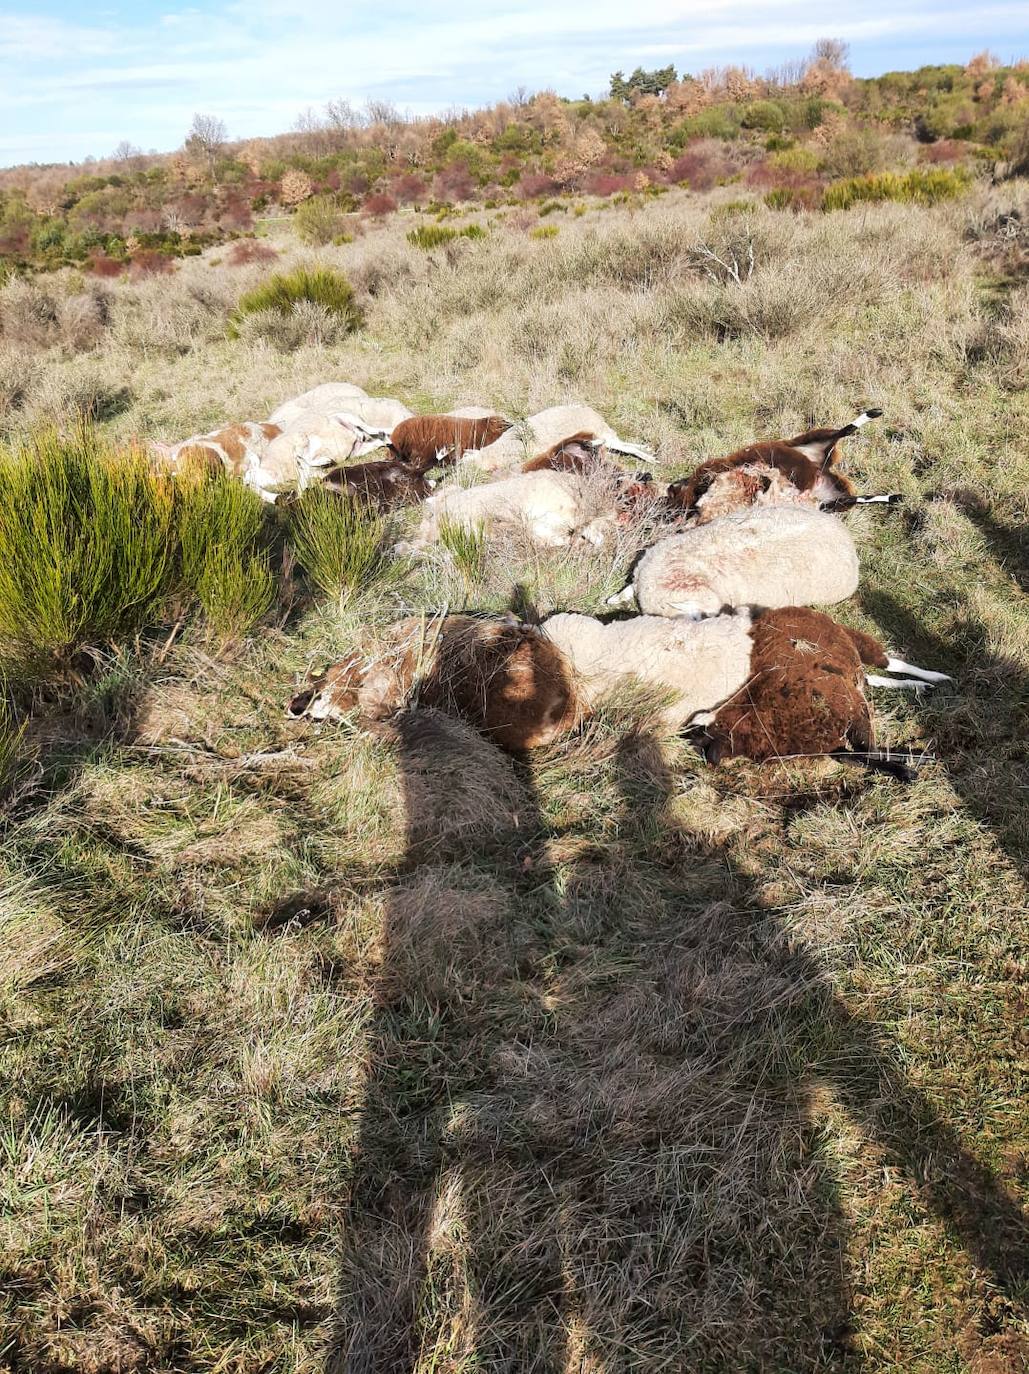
(384, 483)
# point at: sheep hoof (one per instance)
(625, 597)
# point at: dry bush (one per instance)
(245, 252)
(84, 319)
(150, 263)
(28, 313)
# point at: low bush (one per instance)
(247, 251)
(545, 231)
(922, 186)
(283, 292)
(322, 219)
(87, 547)
(223, 558)
(435, 235)
(468, 547)
(340, 543)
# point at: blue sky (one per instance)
(76, 80)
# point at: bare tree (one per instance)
(833, 53)
(206, 139)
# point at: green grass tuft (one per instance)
(221, 528)
(435, 235)
(340, 543)
(468, 546)
(285, 290)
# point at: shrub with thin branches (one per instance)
(10, 741)
(340, 543)
(86, 546)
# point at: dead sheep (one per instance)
(553, 507)
(768, 556)
(534, 436)
(424, 441)
(802, 470)
(384, 485)
(233, 449)
(771, 685)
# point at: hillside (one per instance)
(383, 1051)
(797, 138)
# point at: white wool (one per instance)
(323, 400)
(552, 505)
(763, 557)
(703, 662)
(296, 459)
(377, 412)
(538, 433)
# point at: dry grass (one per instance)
(325, 1050)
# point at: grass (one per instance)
(436, 235)
(340, 542)
(284, 292)
(469, 548)
(316, 1040)
(222, 533)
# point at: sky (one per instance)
(76, 80)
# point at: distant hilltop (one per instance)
(806, 136)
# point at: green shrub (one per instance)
(922, 185)
(435, 235)
(545, 231)
(10, 741)
(764, 114)
(322, 219)
(223, 560)
(87, 546)
(339, 542)
(468, 546)
(283, 292)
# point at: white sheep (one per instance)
(553, 506)
(540, 432)
(322, 400)
(698, 664)
(767, 556)
(309, 452)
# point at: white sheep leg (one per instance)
(897, 665)
(908, 683)
(626, 597)
(689, 610)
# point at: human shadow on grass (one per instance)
(980, 727)
(598, 1064)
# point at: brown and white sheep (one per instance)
(777, 684)
(233, 449)
(540, 432)
(801, 470)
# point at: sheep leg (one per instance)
(626, 597)
(551, 530)
(632, 450)
(897, 665)
(914, 684)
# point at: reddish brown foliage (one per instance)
(250, 250)
(699, 169)
(944, 150)
(379, 205)
(149, 263)
(410, 189)
(99, 264)
(535, 184)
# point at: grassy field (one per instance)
(323, 1050)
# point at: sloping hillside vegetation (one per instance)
(791, 136)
